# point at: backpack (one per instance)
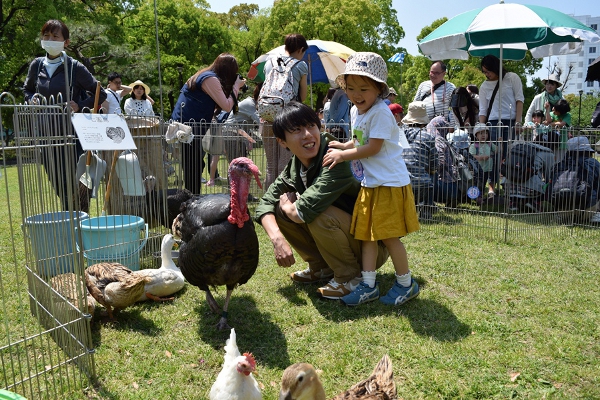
(520, 162)
(596, 116)
(570, 189)
(277, 90)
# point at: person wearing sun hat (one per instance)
(385, 208)
(421, 158)
(391, 97)
(551, 95)
(140, 102)
(417, 114)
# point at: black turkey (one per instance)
(220, 246)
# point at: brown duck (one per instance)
(114, 286)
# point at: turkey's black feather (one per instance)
(215, 252)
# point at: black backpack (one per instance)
(570, 189)
(596, 116)
(520, 162)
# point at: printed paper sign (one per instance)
(103, 132)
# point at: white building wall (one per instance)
(580, 62)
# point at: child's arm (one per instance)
(558, 124)
(548, 120)
(334, 144)
(333, 157)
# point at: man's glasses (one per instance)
(435, 73)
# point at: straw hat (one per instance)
(417, 114)
(140, 83)
(393, 91)
(366, 64)
(552, 78)
(579, 143)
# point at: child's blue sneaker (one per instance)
(399, 294)
(362, 294)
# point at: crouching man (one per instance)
(309, 208)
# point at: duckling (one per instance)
(301, 381)
(114, 285)
(165, 280)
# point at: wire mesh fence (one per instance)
(511, 188)
(53, 192)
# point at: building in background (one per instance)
(579, 62)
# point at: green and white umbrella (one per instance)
(507, 31)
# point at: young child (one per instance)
(385, 208)
(559, 120)
(537, 126)
(483, 151)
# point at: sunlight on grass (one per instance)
(493, 320)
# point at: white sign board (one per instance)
(103, 132)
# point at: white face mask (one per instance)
(52, 47)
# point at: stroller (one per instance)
(460, 141)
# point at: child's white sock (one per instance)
(369, 277)
(404, 280)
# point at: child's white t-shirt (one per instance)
(386, 168)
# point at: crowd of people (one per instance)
(343, 187)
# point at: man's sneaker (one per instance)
(399, 294)
(362, 294)
(310, 276)
(335, 291)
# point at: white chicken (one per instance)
(167, 279)
(235, 381)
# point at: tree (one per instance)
(588, 105)
(189, 38)
(362, 25)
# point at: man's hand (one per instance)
(283, 252)
(287, 206)
(74, 106)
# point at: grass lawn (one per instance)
(493, 320)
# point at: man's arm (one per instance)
(283, 251)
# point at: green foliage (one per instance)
(112, 35)
(588, 105)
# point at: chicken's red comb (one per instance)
(250, 359)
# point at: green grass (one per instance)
(493, 320)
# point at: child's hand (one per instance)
(333, 157)
(334, 144)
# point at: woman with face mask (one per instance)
(46, 75)
(47, 78)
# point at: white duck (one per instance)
(167, 279)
